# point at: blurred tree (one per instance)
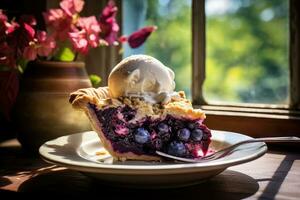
(171, 43)
(247, 52)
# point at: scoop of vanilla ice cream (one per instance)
(142, 76)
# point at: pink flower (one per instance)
(3, 21)
(108, 23)
(28, 30)
(20, 39)
(3, 17)
(43, 45)
(79, 41)
(92, 28)
(30, 52)
(72, 7)
(6, 27)
(15, 42)
(59, 22)
(86, 35)
(137, 38)
(14, 38)
(11, 27)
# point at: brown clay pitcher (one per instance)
(42, 111)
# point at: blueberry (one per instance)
(184, 134)
(164, 136)
(163, 128)
(191, 126)
(157, 143)
(197, 134)
(177, 149)
(205, 136)
(141, 136)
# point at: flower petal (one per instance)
(123, 39)
(108, 23)
(3, 17)
(30, 53)
(29, 31)
(137, 38)
(79, 41)
(45, 44)
(72, 7)
(59, 23)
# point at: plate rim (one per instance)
(150, 169)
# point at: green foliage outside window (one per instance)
(247, 53)
(246, 48)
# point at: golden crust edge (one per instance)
(80, 98)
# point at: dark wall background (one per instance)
(18, 7)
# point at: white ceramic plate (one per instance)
(84, 152)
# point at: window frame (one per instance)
(253, 119)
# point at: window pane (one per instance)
(171, 43)
(247, 51)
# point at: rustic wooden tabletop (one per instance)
(275, 175)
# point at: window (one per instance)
(253, 119)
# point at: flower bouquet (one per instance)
(68, 34)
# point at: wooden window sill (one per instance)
(256, 122)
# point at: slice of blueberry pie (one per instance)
(139, 113)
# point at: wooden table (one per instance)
(275, 175)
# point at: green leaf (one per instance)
(95, 79)
(22, 64)
(64, 54)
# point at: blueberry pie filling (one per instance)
(177, 136)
